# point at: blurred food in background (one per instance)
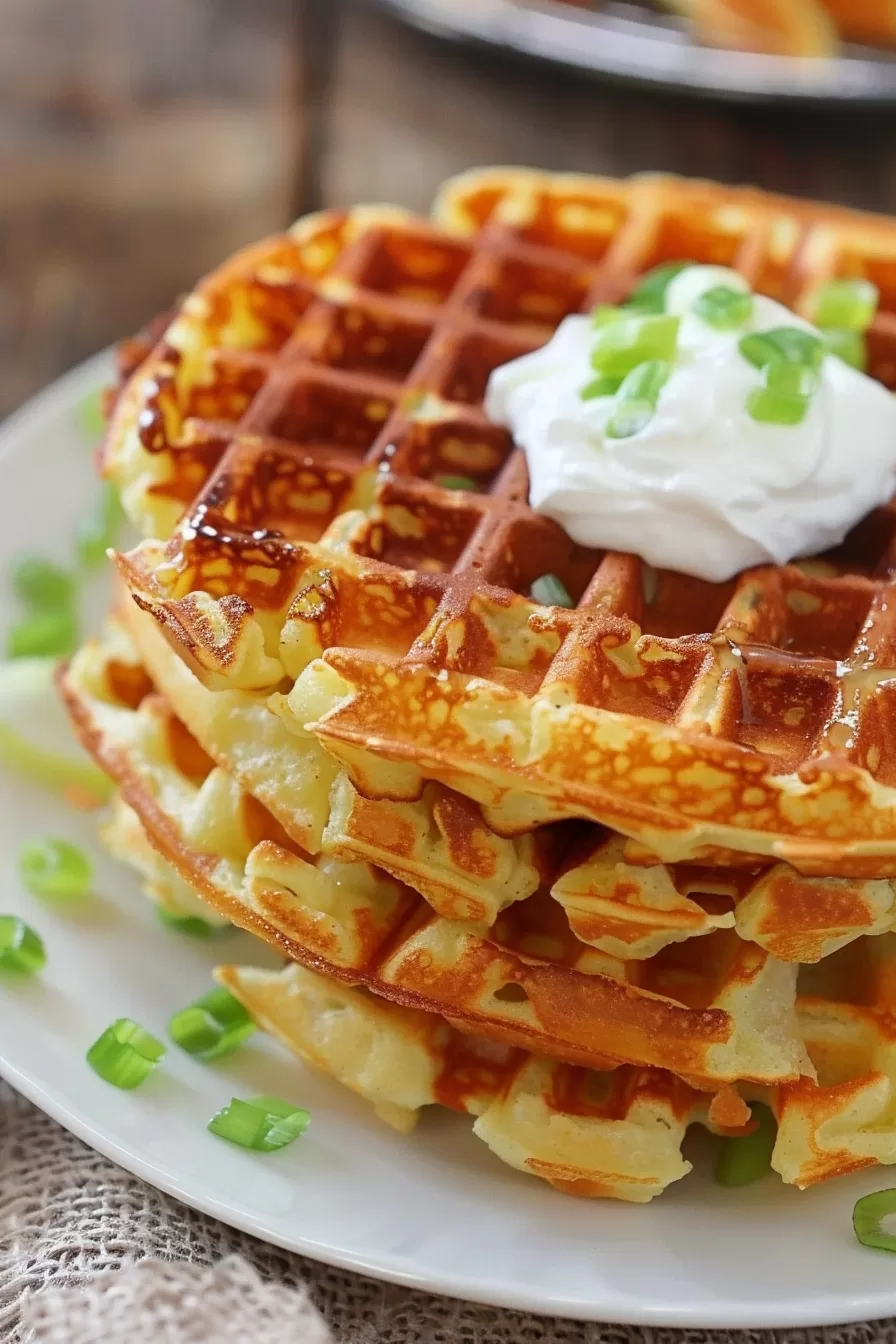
(788, 27)
(815, 50)
(781, 27)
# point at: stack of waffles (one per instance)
(587, 875)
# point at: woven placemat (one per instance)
(90, 1253)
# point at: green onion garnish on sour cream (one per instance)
(724, 308)
(702, 426)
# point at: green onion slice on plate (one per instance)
(91, 416)
(868, 1217)
(43, 634)
(99, 531)
(212, 1026)
(55, 868)
(551, 592)
(36, 738)
(748, 1157)
(194, 926)
(126, 1054)
(262, 1124)
(47, 586)
(21, 949)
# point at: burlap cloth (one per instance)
(91, 1255)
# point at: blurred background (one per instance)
(140, 143)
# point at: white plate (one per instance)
(433, 1211)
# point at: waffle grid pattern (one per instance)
(223, 845)
(376, 396)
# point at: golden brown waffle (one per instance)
(615, 1135)
(750, 717)
(592, 1133)
(194, 378)
(716, 1018)
(616, 898)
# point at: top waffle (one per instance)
(749, 716)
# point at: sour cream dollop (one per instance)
(703, 488)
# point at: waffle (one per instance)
(716, 1018)
(126, 840)
(207, 364)
(616, 1135)
(699, 718)
(616, 899)
(584, 1129)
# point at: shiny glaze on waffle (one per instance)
(752, 716)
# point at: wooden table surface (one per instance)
(139, 144)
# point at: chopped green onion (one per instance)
(600, 387)
(868, 1216)
(42, 635)
(126, 1054)
(637, 398)
(55, 868)
(90, 414)
(790, 345)
(262, 1124)
(848, 304)
(785, 394)
(649, 295)
(35, 735)
(551, 592)
(724, 308)
(457, 483)
(21, 949)
(797, 380)
(646, 382)
(192, 925)
(850, 346)
(42, 583)
(97, 533)
(212, 1026)
(619, 348)
(629, 418)
(745, 1159)
(605, 314)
